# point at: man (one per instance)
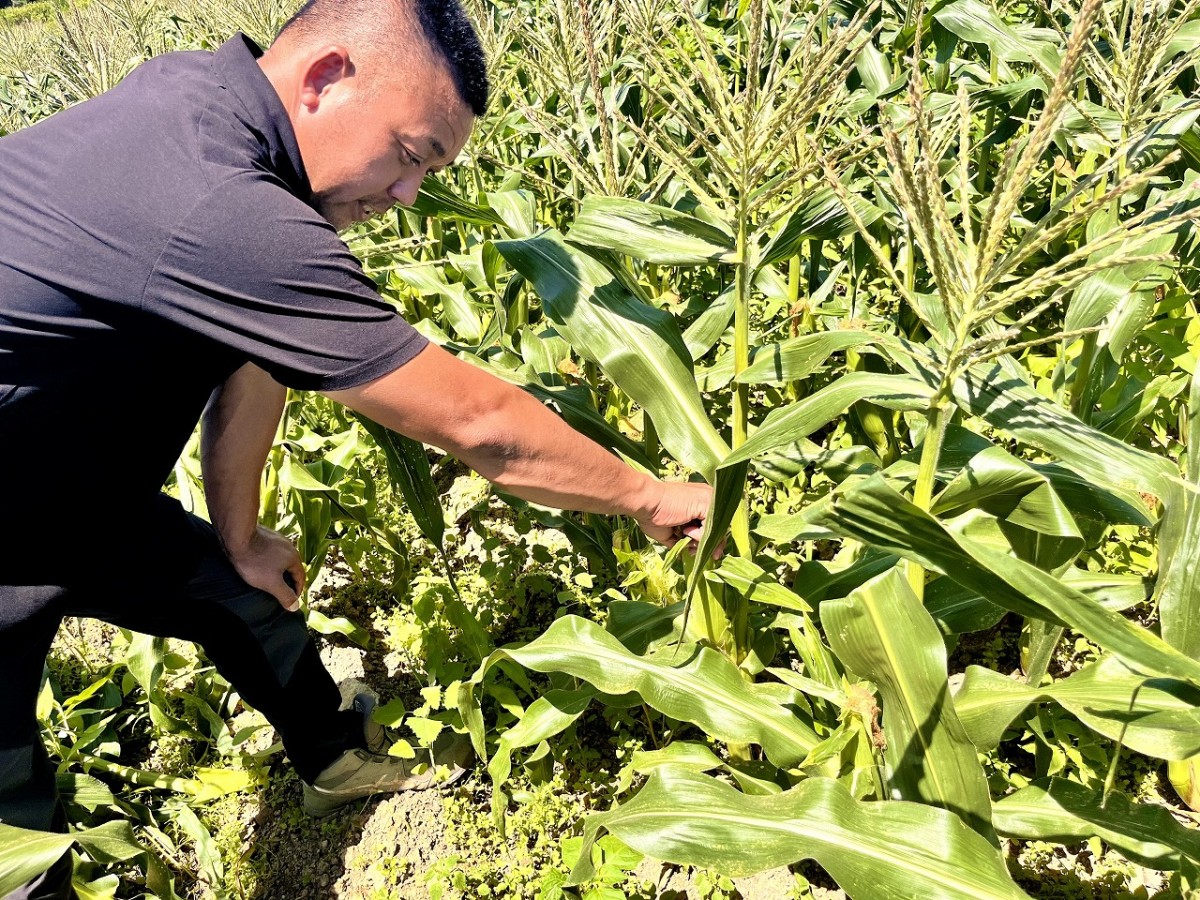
(169, 249)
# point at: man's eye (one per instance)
(410, 159)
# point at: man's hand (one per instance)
(675, 510)
(265, 561)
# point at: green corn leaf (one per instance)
(757, 585)
(437, 200)
(876, 514)
(979, 23)
(799, 357)
(882, 633)
(1178, 588)
(517, 209)
(789, 424)
(1028, 511)
(893, 849)
(111, 842)
(208, 856)
(873, 69)
(641, 626)
(1001, 394)
(822, 217)
(652, 233)
(408, 466)
(638, 346)
(686, 682)
(703, 334)
(959, 610)
(460, 311)
(1009, 489)
(26, 854)
(1158, 717)
(1066, 812)
(574, 405)
(729, 484)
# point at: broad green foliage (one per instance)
(912, 287)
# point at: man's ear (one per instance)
(324, 69)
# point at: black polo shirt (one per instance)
(153, 240)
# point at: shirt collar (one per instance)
(237, 63)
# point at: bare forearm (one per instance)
(504, 434)
(532, 453)
(236, 436)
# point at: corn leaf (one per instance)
(822, 217)
(876, 514)
(656, 234)
(437, 200)
(893, 849)
(789, 424)
(408, 466)
(686, 682)
(799, 357)
(638, 346)
(26, 854)
(1066, 812)
(755, 584)
(979, 23)
(1158, 717)
(1178, 588)
(883, 634)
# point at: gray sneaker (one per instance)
(360, 773)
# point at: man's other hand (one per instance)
(675, 510)
(266, 562)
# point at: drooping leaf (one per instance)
(408, 467)
(1158, 717)
(821, 217)
(876, 514)
(894, 849)
(979, 23)
(788, 424)
(799, 357)
(1066, 812)
(460, 311)
(685, 682)
(438, 200)
(638, 346)
(656, 234)
(757, 585)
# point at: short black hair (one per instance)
(447, 28)
(444, 24)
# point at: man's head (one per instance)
(379, 92)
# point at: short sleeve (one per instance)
(254, 269)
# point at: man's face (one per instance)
(367, 144)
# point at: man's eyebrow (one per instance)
(438, 149)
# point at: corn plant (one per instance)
(996, 536)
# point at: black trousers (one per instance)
(174, 582)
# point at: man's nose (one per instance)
(405, 190)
